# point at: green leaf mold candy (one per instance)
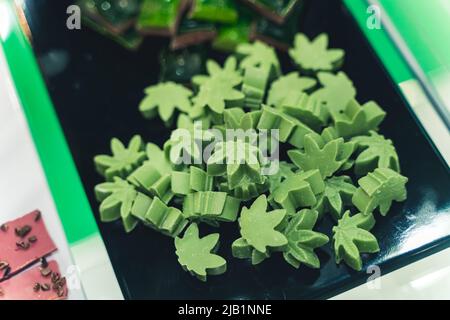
(313, 56)
(196, 179)
(336, 92)
(211, 206)
(258, 54)
(302, 240)
(123, 160)
(258, 227)
(338, 193)
(328, 157)
(375, 152)
(196, 254)
(163, 99)
(156, 214)
(299, 190)
(229, 72)
(358, 120)
(288, 88)
(351, 237)
(290, 129)
(254, 86)
(378, 189)
(116, 201)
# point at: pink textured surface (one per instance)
(20, 287)
(19, 259)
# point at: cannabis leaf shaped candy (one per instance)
(314, 55)
(258, 54)
(378, 189)
(377, 152)
(254, 86)
(287, 88)
(328, 157)
(217, 95)
(258, 226)
(299, 190)
(238, 160)
(196, 255)
(338, 193)
(116, 201)
(123, 160)
(306, 109)
(352, 237)
(164, 98)
(358, 120)
(337, 91)
(302, 240)
(228, 73)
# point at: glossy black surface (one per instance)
(96, 86)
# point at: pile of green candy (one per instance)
(225, 23)
(339, 166)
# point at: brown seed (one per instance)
(32, 239)
(45, 272)
(3, 265)
(45, 287)
(22, 245)
(37, 217)
(4, 227)
(23, 231)
(60, 292)
(36, 287)
(55, 277)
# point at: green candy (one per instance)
(259, 54)
(302, 240)
(123, 160)
(163, 99)
(258, 226)
(351, 237)
(313, 56)
(378, 189)
(196, 255)
(376, 152)
(211, 206)
(116, 201)
(328, 157)
(254, 86)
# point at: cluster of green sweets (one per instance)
(337, 166)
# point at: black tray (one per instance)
(96, 86)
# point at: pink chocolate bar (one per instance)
(22, 242)
(31, 284)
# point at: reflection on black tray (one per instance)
(96, 89)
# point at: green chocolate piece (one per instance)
(258, 54)
(222, 11)
(196, 255)
(299, 190)
(313, 56)
(277, 11)
(358, 120)
(376, 152)
(163, 99)
(228, 73)
(254, 86)
(123, 160)
(157, 215)
(338, 194)
(258, 226)
(351, 237)
(378, 189)
(116, 201)
(328, 157)
(211, 206)
(302, 240)
(287, 89)
(160, 17)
